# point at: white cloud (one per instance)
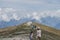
(39, 15)
(28, 15)
(35, 16)
(40, 2)
(34, 13)
(6, 14)
(0, 9)
(50, 13)
(4, 17)
(9, 10)
(15, 16)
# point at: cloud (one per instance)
(28, 16)
(26, 1)
(34, 1)
(34, 13)
(54, 13)
(9, 10)
(44, 14)
(15, 16)
(7, 14)
(0, 10)
(32, 4)
(35, 16)
(4, 17)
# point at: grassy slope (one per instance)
(49, 29)
(45, 30)
(49, 33)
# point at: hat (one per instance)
(38, 27)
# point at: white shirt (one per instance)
(39, 33)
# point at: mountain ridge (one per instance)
(44, 27)
(48, 33)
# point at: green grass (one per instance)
(46, 31)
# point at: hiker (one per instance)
(34, 32)
(31, 35)
(38, 33)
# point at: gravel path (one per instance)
(18, 37)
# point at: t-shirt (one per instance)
(39, 33)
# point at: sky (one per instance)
(17, 9)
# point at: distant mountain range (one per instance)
(50, 21)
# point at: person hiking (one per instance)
(34, 30)
(31, 35)
(38, 33)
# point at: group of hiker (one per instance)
(35, 33)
